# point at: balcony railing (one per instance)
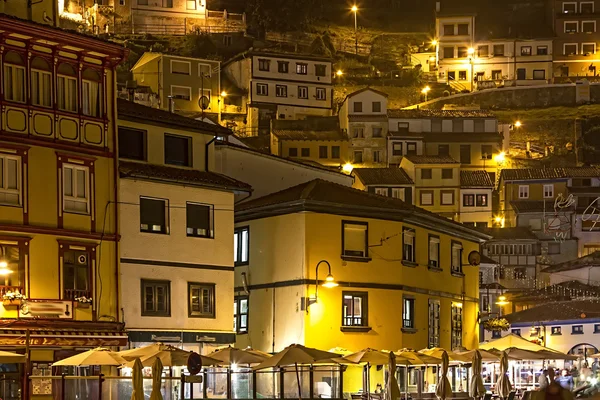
(72, 294)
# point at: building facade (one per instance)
(476, 190)
(391, 182)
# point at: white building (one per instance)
(281, 86)
(176, 222)
(476, 198)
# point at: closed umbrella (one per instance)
(157, 370)
(503, 387)
(98, 356)
(443, 389)
(392, 392)
(477, 389)
(138, 381)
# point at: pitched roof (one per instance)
(383, 176)
(423, 159)
(311, 128)
(163, 173)
(525, 206)
(591, 260)
(514, 174)
(364, 90)
(367, 118)
(510, 233)
(561, 291)
(425, 113)
(130, 111)
(475, 179)
(557, 311)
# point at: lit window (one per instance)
(354, 309)
(200, 220)
(434, 252)
(408, 313)
(468, 200)
(76, 188)
(381, 191)
(482, 200)
(240, 314)
(76, 274)
(10, 178)
(241, 241)
(201, 298)
(398, 193)
(301, 68)
(457, 251)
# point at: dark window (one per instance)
(264, 65)
(227, 40)
(577, 330)
(354, 309)
(448, 52)
(408, 313)
(456, 336)
(397, 148)
(320, 70)
(521, 74)
(283, 67)
(156, 298)
(468, 200)
(241, 243)
(292, 152)
(497, 75)
(200, 220)
(76, 271)
(588, 48)
(411, 148)
(321, 94)
(465, 153)
(463, 52)
(403, 127)
(377, 132)
(443, 149)
(240, 314)
(525, 50)
(322, 151)
(571, 27)
(281, 90)
(335, 152)
(462, 76)
(479, 125)
(582, 182)
(588, 27)
(587, 7)
(426, 173)
(486, 151)
(556, 330)
(262, 89)
(457, 124)
(153, 215)
(448, 30)
(434, 323)
(463, 29)
(201, 300)
(596, 328)
(447, 173)
(516, 332)
(376, 106)
(542, 50)
(570, 49)
(482, 51)
(357, 106)
(457, 251)
(132, 144)
(451, 75)
(482, 200)
(301, 68)
(305, 152)
(178, 150)
(302, 92)
(496, 334)
(358, 157)
(498, 49)
(408, 245)
(355, 239)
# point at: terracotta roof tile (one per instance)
(423, 113)
(383, 176)
(557, 311)
(590, 260)
(367, 118)
(475, 179)
(514, 174)
(309, 135)
(561, 291)
(431, 159)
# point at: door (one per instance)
(521, 74)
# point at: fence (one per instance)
(218, 383)
(340, 44)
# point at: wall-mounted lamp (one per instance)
(4, 268)
(502, 301)
(329, 283)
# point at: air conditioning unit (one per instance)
(82, 259)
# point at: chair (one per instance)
(488, 396)
(511, 395)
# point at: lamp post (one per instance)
(222, 97)
(471, 52)
(425, 90)
(329, 282)
(355, 10)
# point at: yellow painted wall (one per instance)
(281, 148)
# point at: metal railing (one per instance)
(153, 29)
(72, 294)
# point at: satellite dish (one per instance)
(474, 258)
(203, 102)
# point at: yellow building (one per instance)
(403, 273)
(58, 220)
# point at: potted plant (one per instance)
(82, 302)
(496, 324)
(13, 299)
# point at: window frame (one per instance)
(526, 51)
(301, 68)
(355, 159)
(427, 176)
(237, 314)
(586, 2)
(541, 50)
(189, 89)
(323, 152)
(14, 82)
(456, 269)
(189, 66)
(144, 134)
(365, 255)
(73, 197)
(433, 264)
(536, 74)
(336, 152)
(408, 312)
(189, 160)
(41, 73)
(449, 172)
(4, 157)
(364, 315)
(292, 152)
(264, 64)
(446, 52)
(305, 152)
(456, 333)
(497, 47)
(434, 319)
(301, 91)
(401, 191)
(321, 94)
(548, 194)
(210, 234)
(556, 330)
(90, 254)
(427, 192)
(238, 250)
(442, 193)
(479, 196)
(588, 22)
(262, 89)
(154, 283)
(470, 203)
(357, 107)
(283, 67)
(523, 191)
(588, 44)
(213, 300)
(163, 231)
(66, 78)
(374, 108)
(395, 151)
(321, 70)
(281, 91)
(412, 259)
(565, 45)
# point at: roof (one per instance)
(415, 159)
(274, 52)
(382, 176)
(367, 118)
(311, 128)
(517, 232)
(557, 311)
(423, 113)
(512, 340)
(561, 291)
(131, 111)
(514, 174)
(364, 90)
(591, 260)
(163, 173)
(486, 260)
(475, 179)
(331, 198)
(532, 206)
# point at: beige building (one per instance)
(391, 182)
(476, 188)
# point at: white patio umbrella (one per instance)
(98, 356)
(231, 355)
(392, 392)
(157, 370)
(503, 387)
(443, 389)
(477, 389)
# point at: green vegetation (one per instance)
(548, 114)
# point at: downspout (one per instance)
(515, 60)
(115, 177)
(206, 163)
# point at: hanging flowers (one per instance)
(496, 325)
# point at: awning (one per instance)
(37, 338)
(144, 336)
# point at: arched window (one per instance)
(41, 82)
(66, 88)
(14, 77)
(584, 350)
(92, 93)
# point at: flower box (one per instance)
(78, 304)
(11, 303)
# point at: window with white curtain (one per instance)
(10, 176)
(41, 88)
(76, 188)
(14, 83)
(92, 104)
(67, 93)
(354, 235)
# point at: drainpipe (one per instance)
(116, 180)
(206, 164)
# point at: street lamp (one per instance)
(434, 42)
(518, 124)
(471, 52)
(339, 73)
(425, 90)
(329, 282)
(355, 10)
(347, 168)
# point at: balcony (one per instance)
(72, 294)
(6, 289)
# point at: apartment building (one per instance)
(281, 86)
(391, 182)
(176, 248)
(476, 188)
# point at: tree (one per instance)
(282, 15)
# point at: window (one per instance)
(434, 252)
(156, 298)
(321, 94)
(41, 83)
(426, 173)
(262, 89)
(548, 191)
(447, 197)
(448, 52)
(468, 200)
(121, 2)
(241, 243)
(443, 150)
(204, 70)
(496, 334)
(411, 148)
(397, 148)
(571, 27)
(588, 26)
(448, 30)
(293, 152)
(577, 330)
(14, 77)
(201, 300)
(447, 173)
(76, 274)
(482, 51)
(596, 328)
(358, 157)
(302, 92)
(408, 245)
(305, 152)
(132, 143)
(66, 88)
(357, 105)
(301, 68)
(403, 127)
(283, 67)
(426, 197)
(264, 64)
(381, 191)
(191, 4)
(516, 332)
(377, 156)
(142, 2)
(335, 152)
(153, 215)
(377, 131)
(524, 191)
(355, 239)
(354, 309)
(320, 70)
(457, 251)
(498, 49)
(322, 151)
(539, 74)
(434, 323)
(281, 90)
(408, 313)
(462, 75)
(554, 248)
(569, 49)
(456, 336)
(451, 77)
(556, 330)
(240, 314)
(465, 153)
(200, 220)
(10, 178)
(525, 50)
(359, 132)
(227, 40)
(181, 92)
(463, 52)
(181, 67)
(76, 188)
(588, 48)
(486, 151)
(497, 75)
(542, 50)
(482, 200)
(398, 193)
(178, 150)
(376, 106)
(586, 7)
(463, 29)
(569, 8)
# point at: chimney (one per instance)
(437, 6)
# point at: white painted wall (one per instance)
(476, 214)
(367, 98)
(274, 73)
